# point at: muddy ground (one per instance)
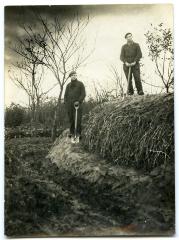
(43, 198)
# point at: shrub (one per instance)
(14, 115)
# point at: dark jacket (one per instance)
(131, 53)
(75, 91)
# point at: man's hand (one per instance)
(76, 103)
(130, 64)
(127, 64)
(133, 64)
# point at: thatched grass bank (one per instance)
(136, 132)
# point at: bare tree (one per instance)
(160, 44)
(117, 79)
(30, 59)
(146, 79)
(62, 49)
(25, 76)
(102, 94)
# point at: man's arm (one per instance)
(138, 54)
(83, 93)
(122, 56)
(66, 94)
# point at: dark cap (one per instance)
(72, 73)
(128, 34)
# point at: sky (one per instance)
(105, 33)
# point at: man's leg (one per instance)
(79, 120)
(130, 89)
(71, 118)
(136, 74)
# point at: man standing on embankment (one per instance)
(130, 56)
(74, 96)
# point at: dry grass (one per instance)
(137, 131)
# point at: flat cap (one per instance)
(72, 73)
(128, 34)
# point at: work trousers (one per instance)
(135, 72)
(71, 115)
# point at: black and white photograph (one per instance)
(89, 120)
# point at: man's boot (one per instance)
(141, 93)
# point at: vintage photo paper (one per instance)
(89, 120)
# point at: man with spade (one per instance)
(130, 56)
(73, 98)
